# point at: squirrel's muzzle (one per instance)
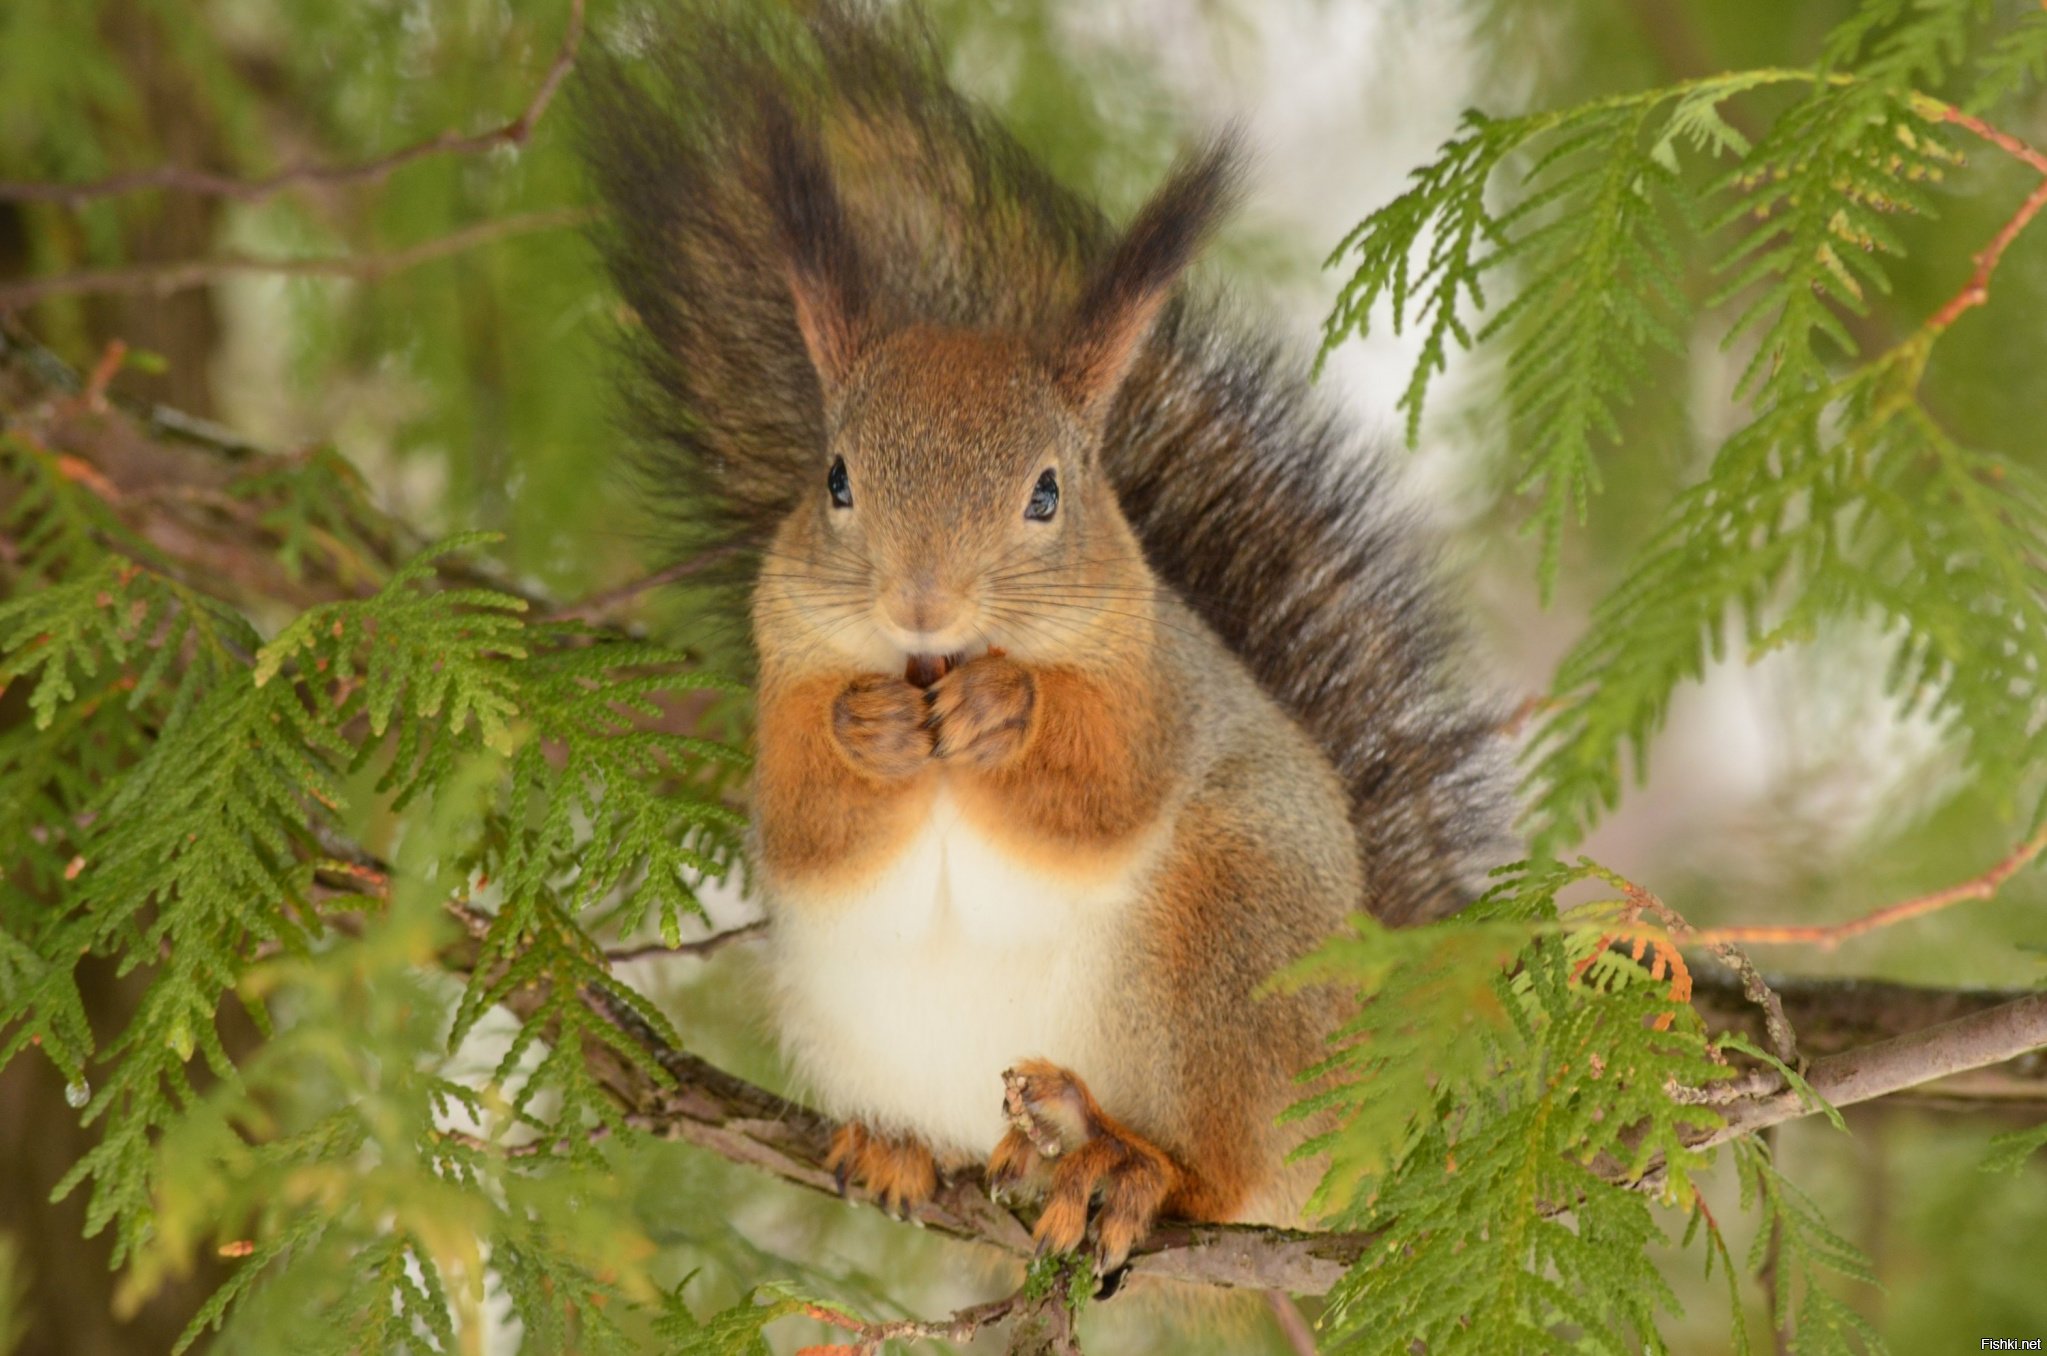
(923, 607)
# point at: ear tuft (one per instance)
(827, 280)
(1125, 294)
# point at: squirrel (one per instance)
(1098, 678)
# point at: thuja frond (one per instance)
(1513, 1166)
(316, 503)
(736, 1331)
(1867, 511)
(2013, 1149)
(1814, 195)
(1584, 252)
(1839, 502)
(437, 656)
(1598, 294)
(57, 525)
(1808, 1255)
(2015, 64)
(197, 865)
(181, 785)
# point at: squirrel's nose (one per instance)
(919, 602)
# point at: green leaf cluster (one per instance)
(1514, 1100)
(1764, 208)
(203, 807)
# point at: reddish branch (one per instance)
(1976, 290)
(205, 183)
(1832, 934)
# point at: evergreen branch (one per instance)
(1830, 935)
(751, 1126)
(163, 279)
(206, 183)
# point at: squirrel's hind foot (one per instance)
(899, 1171)
(1061, 1141)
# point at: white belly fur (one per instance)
(901, 1003)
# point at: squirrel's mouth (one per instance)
(922, 670)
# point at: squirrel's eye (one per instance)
(836, 482)
(1044, 498)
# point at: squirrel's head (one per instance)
(958, 501)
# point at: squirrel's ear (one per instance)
(1125, 294)
(827, 280)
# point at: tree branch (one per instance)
(868, 1337)
(696, 1102)
(1982, 1038)
(162, 279)
(1976, 290)
(205, 183)
(1829, 935)
(702, 947)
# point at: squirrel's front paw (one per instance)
(879, 721)
(1061, 1136)
(981, 710)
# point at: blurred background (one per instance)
(471, 390)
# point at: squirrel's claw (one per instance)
(899, 1172)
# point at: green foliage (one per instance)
(2012, 1150)
(188, 798)
(735, 1331)
(1504, 1114)
(1803, 1250)
(1840, 500)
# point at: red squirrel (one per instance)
(1097, 679)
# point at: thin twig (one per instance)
(1976, 290)
(1833, 934)
(961, 1327)
(605, 603)
(703, 946)
(205, 183)
(532, 1148)
(162, 279)
(1293, 1324)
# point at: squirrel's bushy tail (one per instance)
(1270, 516)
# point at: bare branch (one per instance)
(1982, 886)
(205, 183)
(2001, 1033)
(604, 605)
(703, 946)
(162, 279)
(961, 1327)
(1976, 290)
